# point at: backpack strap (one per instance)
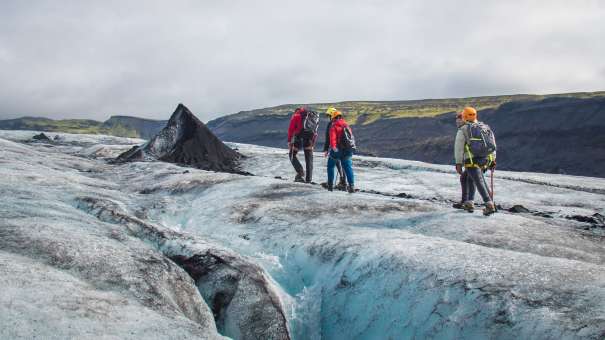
(467, 149)
(466, 131)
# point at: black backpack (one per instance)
(347, 141)
(310, 123)
(481, 141)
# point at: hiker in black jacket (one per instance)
(342, 184)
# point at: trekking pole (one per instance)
(492, 184)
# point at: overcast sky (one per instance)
(93, 59)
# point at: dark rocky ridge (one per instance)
(185, 140)
(554, 135)
(558, 135)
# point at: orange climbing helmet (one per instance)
(469, 114)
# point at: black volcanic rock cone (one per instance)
(42, 137)
(185, 140)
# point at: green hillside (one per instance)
(68, 125)
(365, 112)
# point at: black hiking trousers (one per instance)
(468, 187)
(475, 178)
(307, 146)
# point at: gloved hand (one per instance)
(459, 169)
(492, 166)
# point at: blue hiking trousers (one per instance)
(345, 158)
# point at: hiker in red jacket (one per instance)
(342, 183)
(301, 137)
(341, 149)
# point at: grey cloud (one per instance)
(96, 58)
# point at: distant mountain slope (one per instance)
(365, 112)
(560, 133)
(554, 133)
(121, 126)
(46, 124)
(145, 128)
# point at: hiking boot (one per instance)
(299, 178)
(341, 186)
(458, 205)
(490, 208)
(351, 189)
(330, 187)
(469, 206)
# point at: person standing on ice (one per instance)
(475, 149)
(342, 184)
(302, 134)
(342, 146)
(467, 187)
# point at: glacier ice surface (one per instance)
(362, 266)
